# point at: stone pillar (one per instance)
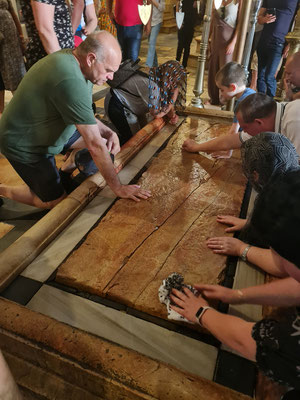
(241, 38)
(198, 88)
(249, 40)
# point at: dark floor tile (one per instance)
(235, 372)
(21, 290)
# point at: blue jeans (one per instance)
(268, 61)
(129, 38)
(152, 56)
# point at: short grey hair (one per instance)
(92, 44)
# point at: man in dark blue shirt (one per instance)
(277, 17)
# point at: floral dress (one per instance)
(62, 27)
(12, 68)
(104, 20)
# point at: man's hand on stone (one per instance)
(133, 192)
(190, 145)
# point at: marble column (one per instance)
(198, 88)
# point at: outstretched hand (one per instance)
(133, 192)
(237, 223)
(226, 245)
(187, 304)
(219, 293)
(190, 145)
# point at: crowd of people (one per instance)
(51, 112)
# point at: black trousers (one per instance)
(118, 118)
(185, 37)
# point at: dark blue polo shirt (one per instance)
(274, 33)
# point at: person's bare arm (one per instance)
(232, 331)
(281, 293)
(43, 17)
(234, 128)
(98, 150)
(91, 20)
(257, 256)
(225, 142)
(78, 6)
(231, 46)
(8, 388)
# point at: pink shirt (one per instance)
(126, 12)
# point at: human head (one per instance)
(265, 155)
(256, 113)
(292, 76)
(99, 56)
(276, 217)
(230, 79)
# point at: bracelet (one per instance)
(243, 256)
(199, 314)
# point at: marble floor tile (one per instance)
(142, 336)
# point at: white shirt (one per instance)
(157, 13)
(287, 122)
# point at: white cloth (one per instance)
(158, 13)
(287, 122)
(173, 281)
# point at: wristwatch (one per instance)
(243, 256)
(199, 314)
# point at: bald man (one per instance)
(54, 97)
(292, 77)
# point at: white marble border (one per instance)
(126, 330)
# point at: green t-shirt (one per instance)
(52, 97)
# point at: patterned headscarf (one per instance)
(163, 81)
(266, 154)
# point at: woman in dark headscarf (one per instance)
(264, 156)
(167, 90)
(272, 343)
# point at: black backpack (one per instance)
(125, 71)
